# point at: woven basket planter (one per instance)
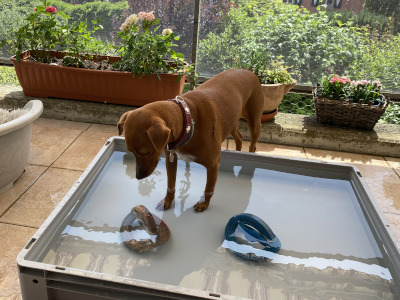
(347, 113)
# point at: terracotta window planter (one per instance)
(53, 81)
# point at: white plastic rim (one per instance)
(34, 109)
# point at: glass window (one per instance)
(359, 39)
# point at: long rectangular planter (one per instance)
(54, 81)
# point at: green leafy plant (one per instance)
(144, 51)
(268, 71)
(276, 72)
(392, 114)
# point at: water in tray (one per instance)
(328, 250)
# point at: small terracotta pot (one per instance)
(53, 81)
(266, 117)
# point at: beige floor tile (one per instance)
(345, 157)
(107, 130)
(394, 162)
(394, 221)
(40, 200)
(384, 183)
(79, 155)
(13, 239)
(62, 124)
(271, 149)
(48, 143)
(30, 175)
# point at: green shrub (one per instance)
(308, 42)
(392, 114)
(379, 60)
(110, 15)
(13, 12)
(8, 76)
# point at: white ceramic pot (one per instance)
(15, 141)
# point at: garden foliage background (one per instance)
(361, 46)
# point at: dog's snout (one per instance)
(140, 174)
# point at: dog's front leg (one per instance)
(212, 175)
(171, 178)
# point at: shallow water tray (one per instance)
(336, 243)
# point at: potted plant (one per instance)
(274, 76)
(51, 60)
(341, 101)
(15, 140)
(276, 81)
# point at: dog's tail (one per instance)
(122, 122)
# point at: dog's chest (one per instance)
(185, 157)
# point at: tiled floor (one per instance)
(61, 151)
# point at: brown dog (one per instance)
(215, 107)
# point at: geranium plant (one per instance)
(145, 50)
(336, 87)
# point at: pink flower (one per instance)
(377, 83)
(346, 79)
(35, 9)
(364, 82)
(51, 9)
(148, 16)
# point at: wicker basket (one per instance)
(347, 113)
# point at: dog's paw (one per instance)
(163, 205)
(200, 206)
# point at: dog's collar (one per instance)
(188, 124)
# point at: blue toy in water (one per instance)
(254, 231)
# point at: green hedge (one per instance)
(109, 14)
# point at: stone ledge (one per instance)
(286, 129)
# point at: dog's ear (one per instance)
(122, 122)
(158, 134)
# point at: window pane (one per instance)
(347, 39)
(177, 15)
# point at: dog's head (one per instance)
(146, 136)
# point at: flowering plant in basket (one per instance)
(340, 101)
(145, 51)
(362, 91)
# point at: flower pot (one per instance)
(47, 80)
(15, 141)
(273, 94)
(347, 113)
(266, 117)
